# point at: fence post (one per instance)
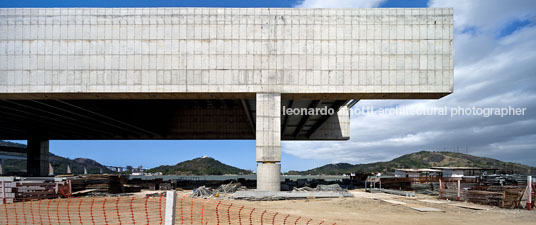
(440, 187)
(529, 191)
(3, 193)
(170, 207)
(459, 190)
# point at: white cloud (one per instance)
(487, 15)
(339, 3)
(490, 71)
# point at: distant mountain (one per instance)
(423, 159)
(13, 166)
(199, 166)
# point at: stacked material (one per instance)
(77, 183)
(500, 196)
(396, 183)
(485, 197)
(7, 192)
(105, 183)
(24, 190)
(512, 198)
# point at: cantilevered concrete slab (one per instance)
(212, 73)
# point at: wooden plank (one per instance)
(426, 209)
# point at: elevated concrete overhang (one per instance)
(200, 118)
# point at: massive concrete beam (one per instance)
(37, 157)
(355, 53)
(268, 143)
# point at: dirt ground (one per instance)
(363, 208)
(366, 208)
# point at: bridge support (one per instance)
(268, 141)
(37, 157)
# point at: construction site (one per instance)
(114, 199)
(227, 73)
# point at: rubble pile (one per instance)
(222, 190)
(320, 187)
(336, 188)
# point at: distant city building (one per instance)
(118, 169)
(457, 172)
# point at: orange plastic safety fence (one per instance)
(94, 210)
(142, 210)
(223, 212)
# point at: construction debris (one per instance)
(221, 191)
(202, 192)
(284, 195)
(320, 187)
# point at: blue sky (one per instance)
(502, 33)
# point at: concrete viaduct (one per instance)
(211, 73)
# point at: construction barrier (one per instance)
(208, 211)
(93, 210)
(142, 210)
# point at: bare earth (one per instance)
(366, 208)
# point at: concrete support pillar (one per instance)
(37, 157)
(1, 167)
(268, 146)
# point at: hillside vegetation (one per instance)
(16, 166)
(199, 166)
(423, 159)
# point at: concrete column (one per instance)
(268, 146)
(1, 167)
(37, 157)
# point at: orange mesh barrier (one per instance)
(142, 210)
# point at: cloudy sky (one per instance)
(495, 64)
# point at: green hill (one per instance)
(199, 166)
(18, 167)
(422, 159)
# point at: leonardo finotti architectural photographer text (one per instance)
(440, 111)
(323, 111)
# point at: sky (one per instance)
(494, 61)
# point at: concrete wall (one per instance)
(192, 50)
(337, 127)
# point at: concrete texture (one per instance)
(211, 73)
(268, 142)
(268, 176)
(365, 53)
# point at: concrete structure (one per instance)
(415, 173)
(211, 73)
(457, 172)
